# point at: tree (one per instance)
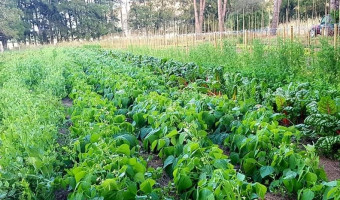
(141, 17)
(222, 10)
(156, 14)
(334, 5)
(199, 15)
(276, 14)
(10, 24)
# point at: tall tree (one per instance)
(334, 5)
(276, 15)
(199, 15)
(222, 10)
(10, 23)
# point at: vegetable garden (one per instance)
(143, 127)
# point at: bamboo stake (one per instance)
(291, 33)
(221, 42)
(237, 27)
(335, 35)
(298, 17)
(244, 33)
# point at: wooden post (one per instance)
(221, 42)
(187, 45)
(335, 35)
(244, 31)
(237, 26)
(215, 41)
(284, 33)
(299, 17)
(323, 31)
(291, 33)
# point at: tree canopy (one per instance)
(44, 21)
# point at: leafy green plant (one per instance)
(327, 106)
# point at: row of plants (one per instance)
(169, 107)
(215, 131)
(31, 85)
(314, 110)
(279, 62)
(185, 183)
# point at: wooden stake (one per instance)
(335, 35)
(299, 17)
(291, 33)
(221, 42)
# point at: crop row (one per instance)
(219, 135)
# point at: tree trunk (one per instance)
(199, 15)
(222, 10)
(1, 47)
(4, 43)
(334, 5)
(276, 15)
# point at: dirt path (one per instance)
(332, 168)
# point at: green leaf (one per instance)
(235, 158)
(144, 132)
(260, 190)
(240, 177)
(161, 144)
(146, 186)
(79, 176)
(249, 165)
(327, 106)
(153, 145)
(119, 119)
(95, 137)
(330, 184)
(331, 192)
(290, 175)
(266, 171)
(168, 161)
(311, 178)
(184, 183)
(109, 184)
(126, 138)
(221, 164)
(139, 177)
(208, 118)
(307, 195)
(172, 133)
(124, 149)
(280, 102)
(139, 119)
(206, 194)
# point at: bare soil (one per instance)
(67, 102)
(155, 161)
(271, 196)
(61, 194)
(332, 168)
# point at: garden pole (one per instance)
(335, 35)
(291, 33)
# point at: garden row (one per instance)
(220, 135)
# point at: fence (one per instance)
(242, 39)
(293, 31)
